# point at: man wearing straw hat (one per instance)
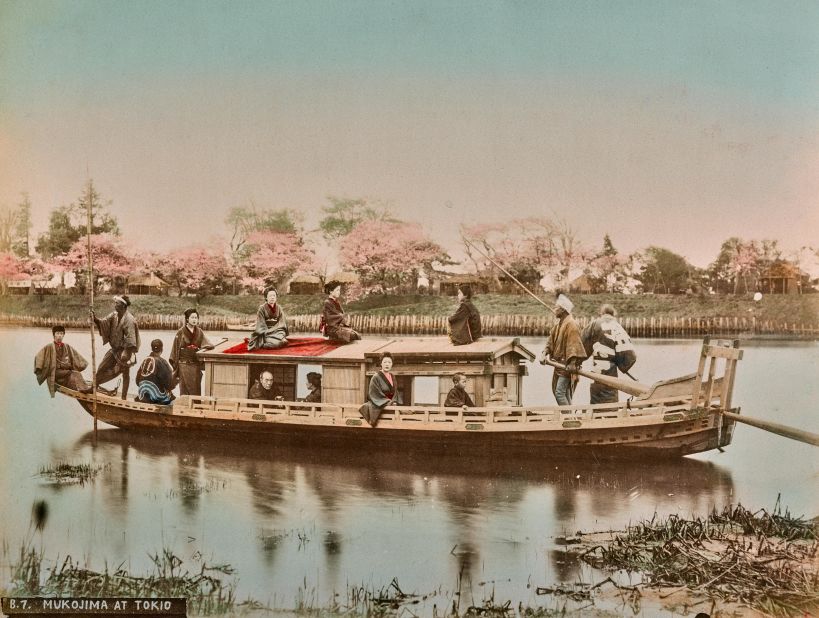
(565, 346)
(118, 328)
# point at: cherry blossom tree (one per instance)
(531, 249)
(11, 269)
(388, 255)
(196, 270)
(271, 258)
(111, 260)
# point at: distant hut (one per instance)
(344, 277)
(147, 284)
(448, 284)
(581, 285)
(781, 277)
(305, 284)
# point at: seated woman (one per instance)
(381, 393)
(465, 323)
(60, 364)
(314, 386)
(334, 323)
(271, 326)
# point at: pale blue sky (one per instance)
(617, 115)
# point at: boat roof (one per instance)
(370, 348)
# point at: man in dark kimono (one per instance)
(334, 323)
(565, 346)
(186, 365)
(381, 393)
(154, 377)
(263, 388)
(119, 329)
(271, 326)
(610, 347)
(465, 323)
(60, 364)
(457, 396)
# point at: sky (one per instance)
(676, 124)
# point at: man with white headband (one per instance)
(118, 328)
(566, 347)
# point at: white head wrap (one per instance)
(564, 303)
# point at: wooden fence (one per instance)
(503, 325)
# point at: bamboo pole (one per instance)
(90, 315)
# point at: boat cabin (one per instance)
(423, 368)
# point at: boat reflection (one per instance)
(567, 495)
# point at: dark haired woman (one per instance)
(465, 323)
(187, 367)
(334, 323)
(271, 326)
(381, 393)
(314, 386)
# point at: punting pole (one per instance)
(507, 273)
(783, 430)
(90, 317)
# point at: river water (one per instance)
(308, 524)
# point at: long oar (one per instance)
(632, 388)
(783, 430)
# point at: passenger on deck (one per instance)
(314, 386)
(59, 363)
(465, 323)
(119, 329)
(334, 323)
(457, 396)
(154, 377)
(271, 326)
(566, 347)
(186, 366)
(263, 388)
(381, 393)
(609, 345)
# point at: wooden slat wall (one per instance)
(228, 380)
(342, 385)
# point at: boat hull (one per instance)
(638, 437)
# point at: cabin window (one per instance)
(426, 390)
(302, 389)
(284, 379)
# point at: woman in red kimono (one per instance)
(187, 367)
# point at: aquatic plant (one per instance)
(68, 473)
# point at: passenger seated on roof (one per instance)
(381, 393)
(334, 323)
(314, 386)
(263, 388)
(465, 323)
(271, 326)
(457, 396)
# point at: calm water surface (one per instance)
(301, 521)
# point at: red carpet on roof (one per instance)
(303, 346)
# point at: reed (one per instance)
(67, 473)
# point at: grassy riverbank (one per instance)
(802, 309)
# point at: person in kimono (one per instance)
(314, 386)
(263, 388)
(271, 326)
(187, 367)
(457, 396)
(381, 393)
(119, 329)
(610, 347)
(465, 323)
(565, 346)
(60, 364)
(154, 377)
(334, 323)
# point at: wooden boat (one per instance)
(668, 419)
